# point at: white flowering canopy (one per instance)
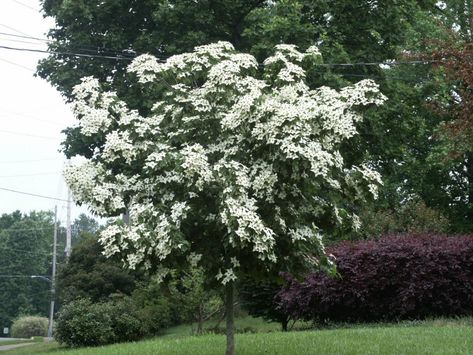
(236, 162)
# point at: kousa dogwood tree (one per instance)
(229, 164)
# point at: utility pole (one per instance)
(53, 275)
(68, 226)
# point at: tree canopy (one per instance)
(222, 156)
(234, 164)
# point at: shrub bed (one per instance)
(397, 277)
(29, 326)
(83, 323)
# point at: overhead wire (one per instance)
(372, 63)
(16, 64)
(37, 252)
(32, 194)
(35, 119)
(64, 53)
(26, 161)
(25, 229)
(33, 174)
(13, 29)
(14, 113)
(93, 49)
(24, 36)
(25, 5)
(28, 135)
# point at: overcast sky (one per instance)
(32, 115)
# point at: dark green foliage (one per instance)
(258, 298)
(397, 138)
(25, 249)
(194, 301)
(83, 323)
(27, 327)
(412, 217)
(90, 274)
(155, 308)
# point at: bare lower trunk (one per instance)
(230, 320)
(200, 320)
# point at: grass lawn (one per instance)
(427, 338)
(11, 342)
(21, 341)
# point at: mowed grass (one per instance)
(424, 339)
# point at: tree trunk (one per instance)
(200, 320)
(284, 324)
(230, 319)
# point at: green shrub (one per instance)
(127, 324)
(83, 323)
(27, 327)
(155, 307)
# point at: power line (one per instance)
(25, 229)
(37, 43)
(51, 123)
(65, 53)
(25, 5)
(389, 63)
(23, 36)
(5, 276)
(13, 29)
(16, 64)
(34, 174)
(30, 116)
(25, 161)
(74, 228)
(26, 251)
(31, 194)
(96, 49)
(28, 135)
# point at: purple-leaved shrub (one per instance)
(397, 277)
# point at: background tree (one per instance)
(197, 302)
(397, 137)
(89, 274)
(25, 250)
(83, 224)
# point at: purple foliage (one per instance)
(397, 277)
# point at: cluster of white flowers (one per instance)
(196, 164)
(91, 106)
(194, 258)
(226, 277)
(119, 145)
(305, 233)
(241, 154)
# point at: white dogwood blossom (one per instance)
(226, 161)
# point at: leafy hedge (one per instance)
(29, 326)
(397, 277)
(84, 323)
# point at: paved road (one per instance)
(13, 346)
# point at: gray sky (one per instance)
(32, 115)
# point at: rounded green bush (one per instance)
(83, 323)
(29, 326)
